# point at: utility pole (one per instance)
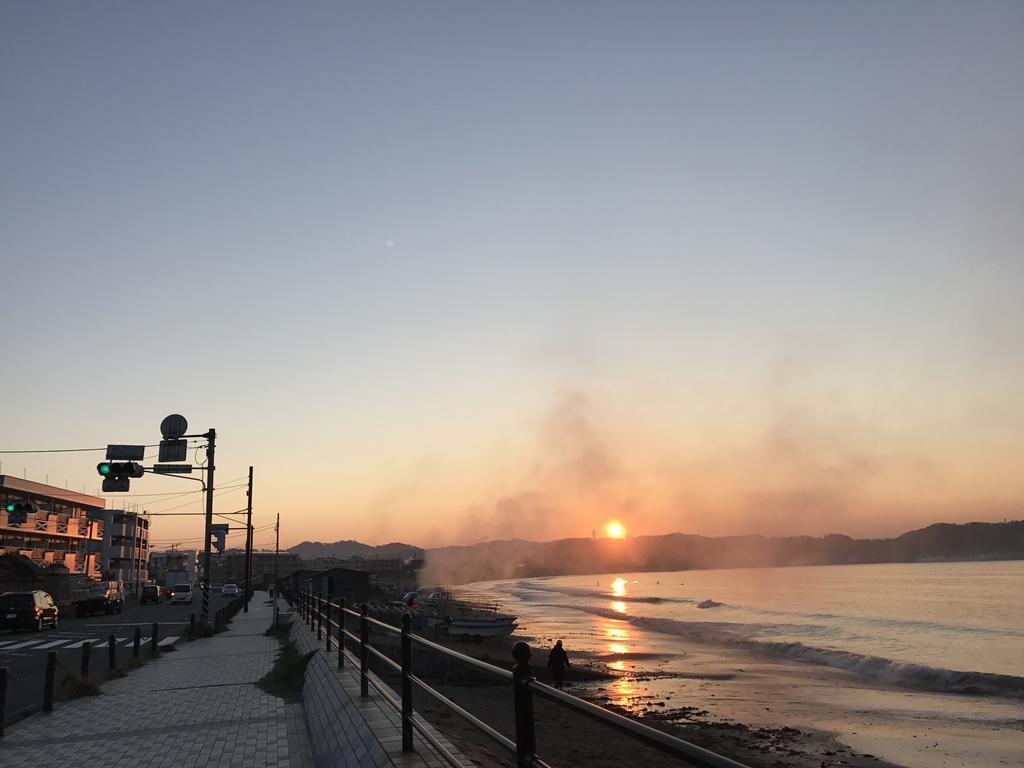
(277, 550)
(248, 543)
(211, 437)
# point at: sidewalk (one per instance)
(197, 706)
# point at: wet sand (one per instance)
(567, 738)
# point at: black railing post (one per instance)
(319, 617)
(330, 610)
(3, 699)
(311, 611)
(406, 683)
(137, 642)
(51, 672)
(341, 632)
(83, 667)
(526, 737)
(154, 640)
(111, 653)
(364, 638)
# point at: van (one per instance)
(181, 593)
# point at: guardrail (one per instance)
(320, 612)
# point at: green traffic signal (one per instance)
(10, 507)
(104, 468)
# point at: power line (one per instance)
(75, 450)
(229, 489)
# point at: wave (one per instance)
(526, 587)
(911, 675)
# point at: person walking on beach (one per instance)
(558, 660)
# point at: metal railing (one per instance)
(320, 612)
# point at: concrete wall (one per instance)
(339, 735)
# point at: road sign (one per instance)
(219, 531)
(173, 426)
(172, 469)
(173, 450)
(126, 452)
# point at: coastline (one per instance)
(775, 703)
(567, 738)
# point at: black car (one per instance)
(27, 610)
(150, 594)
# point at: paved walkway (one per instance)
(197, 706)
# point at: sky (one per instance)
(446, 272)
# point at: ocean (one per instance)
(921, 664)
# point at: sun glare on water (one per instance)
(614, 529)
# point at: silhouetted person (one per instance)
(558, 660)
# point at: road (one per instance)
(24, 653)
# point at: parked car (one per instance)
(101, 597)
(181, 593)
(230, 590)
(151, 593)
(28, 610)
(217, 587)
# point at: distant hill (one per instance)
(309, 550)
(678, 551)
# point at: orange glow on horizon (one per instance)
(614, 529)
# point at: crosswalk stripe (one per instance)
(53, 643)
(92, 641)
(25, 644)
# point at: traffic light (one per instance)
(220, 533)
(116, 474)
(17, 511)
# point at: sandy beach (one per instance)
(566, 738)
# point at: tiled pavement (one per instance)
(195, 707)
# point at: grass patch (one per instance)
(288, 676)
(75, 686)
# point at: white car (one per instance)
(230, 590)
(181, 593)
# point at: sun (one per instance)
(614, 529)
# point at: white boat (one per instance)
(467, 615)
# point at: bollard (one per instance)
(111, 653)
(364, 638)
(51, 671)
(526, 737)
(154, 640)
(330, 611)
(192, 626)
(341, 632)
(3, 699)
(406, 683)
(83, 669)
(137, 643)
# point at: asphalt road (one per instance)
(24, 653)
